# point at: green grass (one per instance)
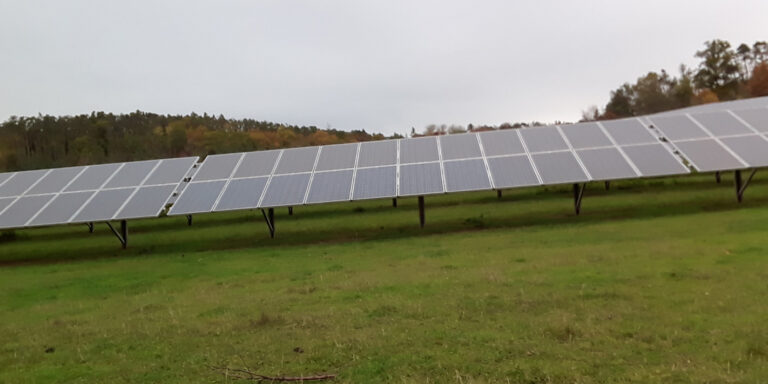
(658, 281)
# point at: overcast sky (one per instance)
(384, 66)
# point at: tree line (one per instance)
(723, 73)
(46, 141)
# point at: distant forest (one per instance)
(44, 141)
(48, 141)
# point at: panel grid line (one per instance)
(354, 172)
(25, 191)
(397, 169)
(618, 148)
(96, 192)
(56, 196)
(13, 174)
(737, 117)
(122, 206)
(312, 175)
(269, 180)
(530, 158)
(226, 183)
(440, 159)
(700, 125)
(668, 145)
(576, 155)
(485, 161)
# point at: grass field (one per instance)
(660, 281)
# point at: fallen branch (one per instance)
(245, 374)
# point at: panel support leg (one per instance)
(578, 194)
(269, 217)
(290, 211)
(90, 227)
(607, 185)
(742, 186)
(717, 177)
(394, 203)
(498, 193)
(189, 220)
(122, 235)
(421, 211)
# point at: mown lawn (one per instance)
(658, 281)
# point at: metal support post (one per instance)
(90, 227)
(717, 177)
(290, 211)
(421, 211)
(189, 220)
(270, 219)
(123, 234)
(578, 194)
(498, 193)
(742, 186)
(607, 185)
(394, 203)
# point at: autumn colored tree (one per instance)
(718, 70)
(758, 83)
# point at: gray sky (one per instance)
(383, 66)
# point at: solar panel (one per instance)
(341, 156)
(374, 183)
(585, 135)
(93, 177)
(606, 164)
(512, 171)
(330, 186)
(543, 139)
(721, 124)
(466, 175)
(420, 179)
(217, 167)
(461, 146)
(18, 213)
(286, 190)
(678, 127)
(753, 149)
(258, 163)
(61, 208)
(242, 194)
(708, 155)
(170, 170)
(297, 160)
(146, 202)
(501, 142)
(376, 153)
(4, 177)
(757, 118)
(559, 167)
(197, 197)
(20, 182)
(628, 132)
(103, 205)
(132, 174)
(55, 180)
(5, 202)
(418, 150)
(654, 160)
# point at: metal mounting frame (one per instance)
(578, 195)
(122, 235)
(269, 218)
(741, 186)
(421, 212)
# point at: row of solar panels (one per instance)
(407, 167)
(610, 150)
(90, 193)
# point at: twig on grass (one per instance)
(245, 374)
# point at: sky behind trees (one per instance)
(382, 66)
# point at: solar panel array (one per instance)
(428, 165)
(720, 140)
(89, 193)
